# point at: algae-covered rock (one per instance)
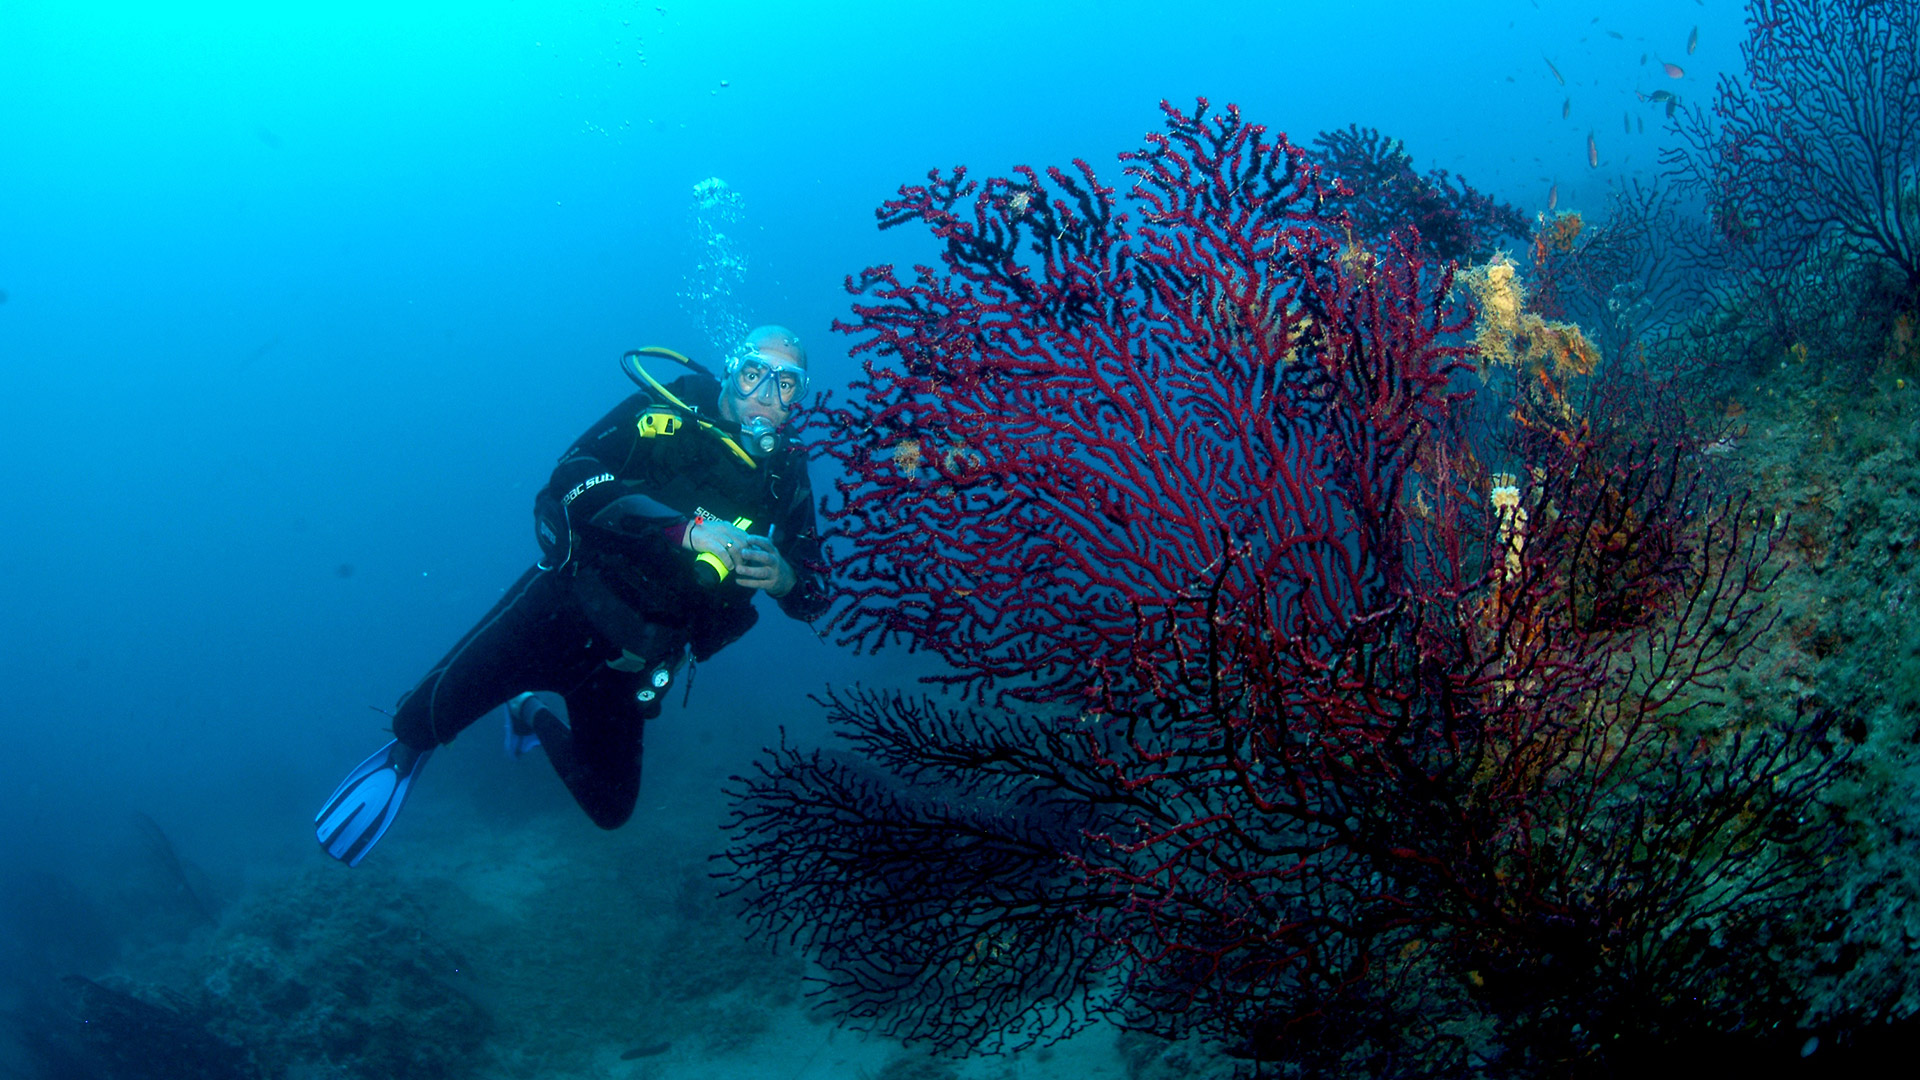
(1838, 456)
(340, 974)
(545, 951)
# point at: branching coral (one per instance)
(1381, 193)
(1818, 140)
(1328, 752)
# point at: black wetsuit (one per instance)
(614, 607)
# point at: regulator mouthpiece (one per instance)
(759, 436)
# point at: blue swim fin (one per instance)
(366, 802)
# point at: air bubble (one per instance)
(719, 269)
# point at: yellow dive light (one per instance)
(709, 569)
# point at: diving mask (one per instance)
(770, 378)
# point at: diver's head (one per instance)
(766, 378)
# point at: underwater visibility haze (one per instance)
(1361, 539)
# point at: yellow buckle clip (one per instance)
(656, 422)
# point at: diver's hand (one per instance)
(757, 564)
(721, 539)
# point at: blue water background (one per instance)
(302, 301)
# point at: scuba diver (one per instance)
(657, 528)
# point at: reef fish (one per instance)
(1566, 108)
(1627, 119)
(1553, 196)
(1693, 41)
(1593, 152)
(1561, 79)
(1674, 71)
(1660, 95)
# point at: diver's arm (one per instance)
(640, 515)
(585, 479)
(590, 480)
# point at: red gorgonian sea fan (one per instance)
(1295, 725)
(1083, 418)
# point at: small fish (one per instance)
(1660, 95)
(1640, 122)
(1693, 41)
(1562, 79)
(1671, 104)
(649, 1050)
(1593, 152)
(1674, 71)
(1553, 196)
(1643, 59)
(1627, 120)
(1566, 108)
(1616, 35)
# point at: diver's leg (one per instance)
(596, 750)
(534, 638)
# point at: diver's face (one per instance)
(762, 402)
